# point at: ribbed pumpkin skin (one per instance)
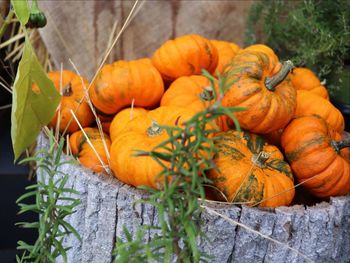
(121, 120)
(185, 56)
(185, 92)
(72, 94)
(81, 148)
(267, 110)
(242, 179)
(307, 142)
(119, 83)
(305, 79)
(143, 170)
(226, 52)
(309, 103)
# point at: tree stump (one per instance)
(321, 232)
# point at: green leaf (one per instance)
(31, 110)
(21, 10)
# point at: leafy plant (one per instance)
(31, 110)
(54, 202)
(315, 34)
(178, 202)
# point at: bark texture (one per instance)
(322, 232)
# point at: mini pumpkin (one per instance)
(119, 84)
(309, 103)
(305, 79)
(83, 151)
(251, 171)
(318, 156)
(185, 56)
(261, 85)
(73, 98)
(144, 133)
(120, 121)
(226, 52)
(195, 93)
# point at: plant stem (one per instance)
(6, 23)
(340, 145)
(272, 82)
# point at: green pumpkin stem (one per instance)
(207, 94)
(67, 90)
(340, 145)
(154, 129)
(261, 158)
(273, 81)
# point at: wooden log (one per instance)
(321, 232)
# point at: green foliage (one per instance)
(30, 110)
(53, 203)
(178, 202)
(315, 34)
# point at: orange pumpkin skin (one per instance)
(121, 120)
(251, 171)
(309, 103)
(311, 146)
(305, 79)
(83, 151)
(226, 52)
(141, 135)
(268, 107)
(72, 93)
(118, 84)
(185, 56)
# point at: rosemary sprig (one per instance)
(53, 203)
(177, 203)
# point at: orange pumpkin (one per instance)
(193, 92)
(226, 52)
(83, 151)
(144, 133)
(118, 84)
(262, 87)
(73, 93)
(305, 79)
(185, 56)
(317, 157)
(120, 121)
(309, 103)
(251, 171)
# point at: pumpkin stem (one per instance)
(154, 129)
(272, 82)
(207, 94)
(67, 90)
(260, 158)
(340, 145)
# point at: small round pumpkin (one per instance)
(120, 121)
(195, 93)
(144, 133)
(305, 79)
(309, 103)
(317, 156)
(226, 52)
(119, 84)
(73, 98)
(185, 56)
(82, 150)
(251, 171)
(261, 85)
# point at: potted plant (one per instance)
(313, 34)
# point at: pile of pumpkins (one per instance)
(287, 115)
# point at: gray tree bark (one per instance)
(321, 232)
